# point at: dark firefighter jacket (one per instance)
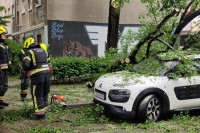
(36, 61)
(4, 56)
(22, 54)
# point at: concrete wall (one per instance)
(83, 24)
(196, 24)
(82, 39)
(91, 11)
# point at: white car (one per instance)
(129, 95)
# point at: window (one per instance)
(13, 10)
(30, 5)
(39, 38)
(38, 3)
(8, 11)
(23, 6)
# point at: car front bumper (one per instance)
(116, 111)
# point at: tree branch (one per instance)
(184, 22)
(158, 39)
(134, 52)
(148, 48)
(186, 9)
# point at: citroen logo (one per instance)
(100, 85)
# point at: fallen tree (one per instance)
(167, 18)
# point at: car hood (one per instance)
(122, 77)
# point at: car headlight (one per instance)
(119, 95)
(124, 84)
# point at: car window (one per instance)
(170, 73)
(173, 71)
(171, 68)
(170, 64)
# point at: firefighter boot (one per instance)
(37, 117)
(23, 95)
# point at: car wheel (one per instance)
(149, 108)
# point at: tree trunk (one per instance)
(113, 26)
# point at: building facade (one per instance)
(30, 20)
(9, 5)
(70, 27)
(79, 28)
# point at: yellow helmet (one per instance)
(43, 46)
(3, 30)
(28, 42)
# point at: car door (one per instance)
(183, 92)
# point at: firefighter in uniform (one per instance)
(5, 65)
(36, 62)
(23, 76)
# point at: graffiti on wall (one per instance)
(98, 36)
(75, 48)
(81, 39)
(57, 30)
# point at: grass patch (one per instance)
(84, 119)
(15, 115)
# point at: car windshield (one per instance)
(155, 67)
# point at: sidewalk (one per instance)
(12, 96)
(14, 83)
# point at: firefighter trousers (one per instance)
(40, 87)
(24, 84)
(24, 80)
(3, 82)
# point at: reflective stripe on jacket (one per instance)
(36, 61)
(4, 56)
(22, 54)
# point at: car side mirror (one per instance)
(170, 77)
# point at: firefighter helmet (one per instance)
(3, 30)
(28, 42)
(43, 46)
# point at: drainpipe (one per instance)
(15, 18)
(34, 13)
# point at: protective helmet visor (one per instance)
(43, 46)
(28, 42)
(3, 30)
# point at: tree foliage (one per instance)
(4, 19)
(162, 25)
(14, 49)
(159, 34)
